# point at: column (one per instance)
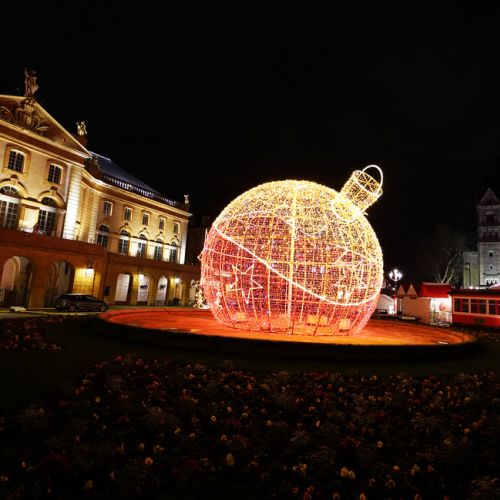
(73, 202)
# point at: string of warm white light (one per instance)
(295, 256)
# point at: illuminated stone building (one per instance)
(73, 221)
(482, 267)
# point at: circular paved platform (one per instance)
(193, 328)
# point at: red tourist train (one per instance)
(476, 307)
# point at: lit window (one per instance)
(161, 224)
(107, 208)
(176, 227)
(145, 219)
(16, 160)
(141, 246)
(123, 243)
(127, 214)
(55, 174)
(102, 236)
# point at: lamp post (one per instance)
(395, 275)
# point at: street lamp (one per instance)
(395, 275)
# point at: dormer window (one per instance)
(16, 160)
(55, 174)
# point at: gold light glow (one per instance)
(295, 257)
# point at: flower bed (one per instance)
(27, 334)
(136, 428)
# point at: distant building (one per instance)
(73, 221)
(482, 267)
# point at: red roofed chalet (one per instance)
(430, 302)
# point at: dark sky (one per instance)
(212, 99)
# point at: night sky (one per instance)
(212, 99)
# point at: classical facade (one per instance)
(482, 267)
(72, 220)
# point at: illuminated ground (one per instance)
(200, 323)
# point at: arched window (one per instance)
(102, 236)
(9, 191)
(158, 249)
(123, 242)
(173, 252)
(49, 202)
(9, 207)
(141, 246)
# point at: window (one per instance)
(490, 219)
(145, 219)
(46, 221)
(173, 252)
(492, 267)
(492, 306)
(456, 305)
(490, 254)
(158, 250)
(141, 246)
(8, 214)
(9, 191)
(49, 202)
(123, 243)
(102, 236)
(473, 306)
(482, 306)
(465, 305)
(16, 160)
(9, 207)
(127, 214)
(107, 208)
(176, 227)
(55, 174)
(161, 224)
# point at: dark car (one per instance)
(80, 302)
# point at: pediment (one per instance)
(489, 198)
(27, 113)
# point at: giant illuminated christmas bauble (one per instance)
(295, 257)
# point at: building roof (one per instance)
(109, 167)
(116, 176)
(425, 289)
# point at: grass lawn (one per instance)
(30, 376)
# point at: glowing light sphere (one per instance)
(295, 257)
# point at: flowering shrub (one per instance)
(137, 428)
(26, 334)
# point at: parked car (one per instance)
(80, 302)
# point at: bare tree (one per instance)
(440, 256)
